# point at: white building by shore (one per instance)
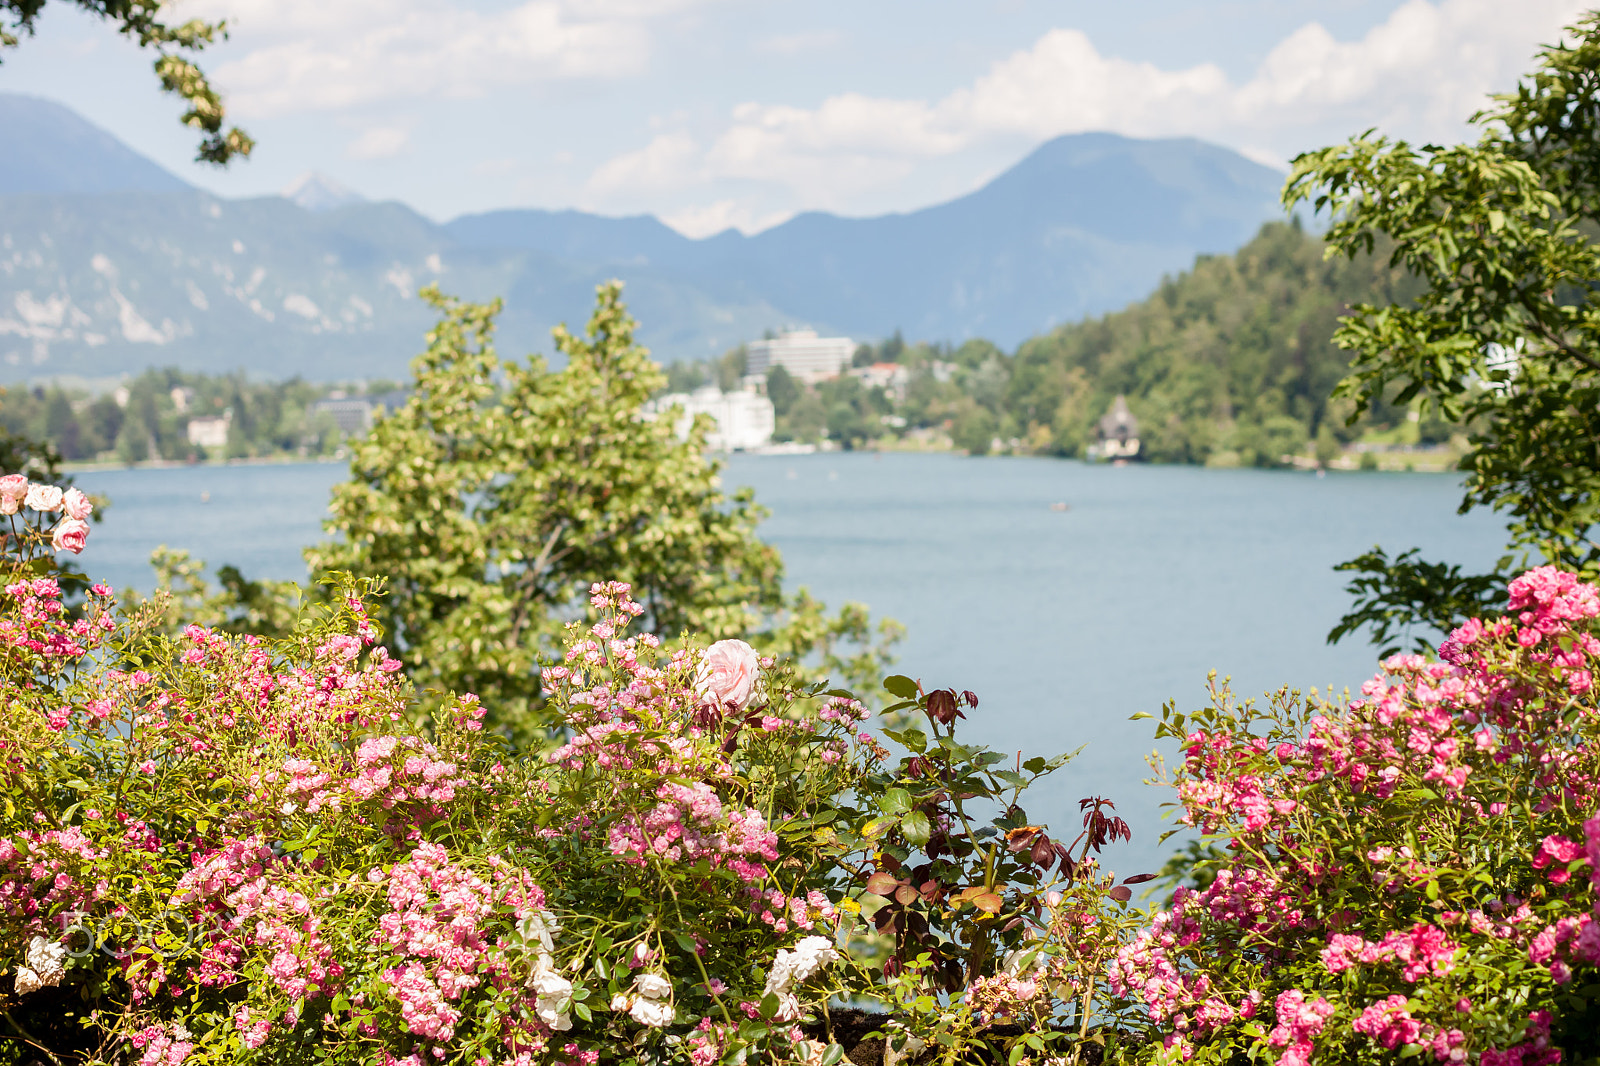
(801, 352)
(745, 420)
(209, 432)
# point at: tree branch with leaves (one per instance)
(174, 44)
(1504, 338)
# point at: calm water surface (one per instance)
(1063, 622)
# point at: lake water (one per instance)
(1064, 622)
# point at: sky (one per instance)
(718, 113)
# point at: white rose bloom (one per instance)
(48, 959)
(552, 1014)
(811, 956)
(542, 927)
(27, 981)
(788, 1007)
(43, 498)
(621, 1002)
(652, 986)
(1014, 961)
(549, 983)
(782, 973)
(555, 997)
(656, 1013)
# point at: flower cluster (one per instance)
(71, 530)
(1397, 860)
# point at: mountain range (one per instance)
(109, 264)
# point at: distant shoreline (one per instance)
(82, 466)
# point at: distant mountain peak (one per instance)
(318, 192)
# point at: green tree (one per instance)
(783, 390)
(495, 497)
(173, 44)
(1504, 337)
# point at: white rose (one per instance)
(1013, 964)
(652, 986)
(554, 999)
(542, 927)
(656, 1013)
(811, 956)
(549, 983)
(621, 1002)
(552, 1014)
(43, 498)
(27, 981)
(788, 1007)
(782, 973)
(48, 959)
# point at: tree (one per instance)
(172, 43)
(500, 492)
(782, 390)
(1504, 337)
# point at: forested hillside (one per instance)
(1230, 362)
(1233, 356)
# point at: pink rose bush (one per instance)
(223, 848)
(1412, 872)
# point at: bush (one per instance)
(224, 848)
(1412, 873)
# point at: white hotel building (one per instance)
(801, 352)
(745, 420)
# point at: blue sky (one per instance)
(712, 113)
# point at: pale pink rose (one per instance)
(13, 488)
(43, 498)
(70, 535)
(77, 505)
(727, 675)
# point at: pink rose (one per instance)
(727, 675)
(43, 498)
(13, 487)
(70, 535)
(77, 505)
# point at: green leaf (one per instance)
(832, 1055)
(895, 801)
(900, 685)
(916, 828)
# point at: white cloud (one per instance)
(667, 162)
(307, 55)
(379, 142)
(723, 215)
(1418, 74)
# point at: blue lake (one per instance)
(1064, 622)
